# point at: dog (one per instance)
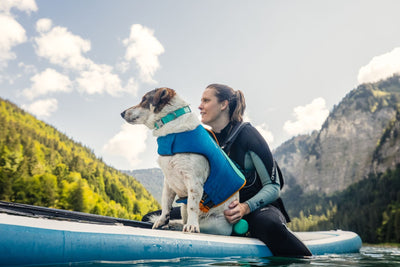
(184, 173)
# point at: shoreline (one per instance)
(382, 245)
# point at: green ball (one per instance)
(241, 227)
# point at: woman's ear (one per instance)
(224, 105)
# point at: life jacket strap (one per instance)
(205, 203)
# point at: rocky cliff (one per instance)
(359, 136)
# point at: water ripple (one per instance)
(369, 256)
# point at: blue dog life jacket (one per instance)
(225, 178)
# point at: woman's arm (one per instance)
(256, 157)
(270, 190)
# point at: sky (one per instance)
(78, 64)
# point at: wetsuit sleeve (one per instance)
(270, 190)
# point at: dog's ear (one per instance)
(162, 98)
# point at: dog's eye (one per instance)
(145, 102)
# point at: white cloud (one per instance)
(308, 118)
(11, 34)
(43, 25)
(122, 66)
(99, 79)
(27, 68)
(42, 108)
(380, 67)
(132, 87)
(48, 81)
(265, 132)
(144, 48)
(61, 47)
(130, 142)
(10, 78)
(22, 5)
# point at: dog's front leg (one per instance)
(193, 211)
(168, 196)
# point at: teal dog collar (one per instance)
(171, 116)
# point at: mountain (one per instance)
(347, 175)
(359, 136)
(387, 152)
(41, 166)
(151, 179)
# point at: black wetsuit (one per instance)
(267, 220)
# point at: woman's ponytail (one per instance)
(237, 107)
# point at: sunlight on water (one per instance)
(368, 256)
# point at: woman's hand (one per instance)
(236, 211)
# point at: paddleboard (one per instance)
(32, 240)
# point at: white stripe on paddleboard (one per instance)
(319, 238)
(117, 229)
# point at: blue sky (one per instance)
(78, 64)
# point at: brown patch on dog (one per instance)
(158, 98)
(162, 97)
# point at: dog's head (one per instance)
(148, 111)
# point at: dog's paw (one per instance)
(161, 224)
(188, 228)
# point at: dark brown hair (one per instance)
(237, 103)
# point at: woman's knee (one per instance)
(267, 221)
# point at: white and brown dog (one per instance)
(184, 173)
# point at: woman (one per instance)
(222, 109)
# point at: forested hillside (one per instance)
(41, 166)
(371, 208)
(151, 179)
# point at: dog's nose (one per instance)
(123, 115)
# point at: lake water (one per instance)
(368, 256)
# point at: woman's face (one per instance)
(210, 109)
